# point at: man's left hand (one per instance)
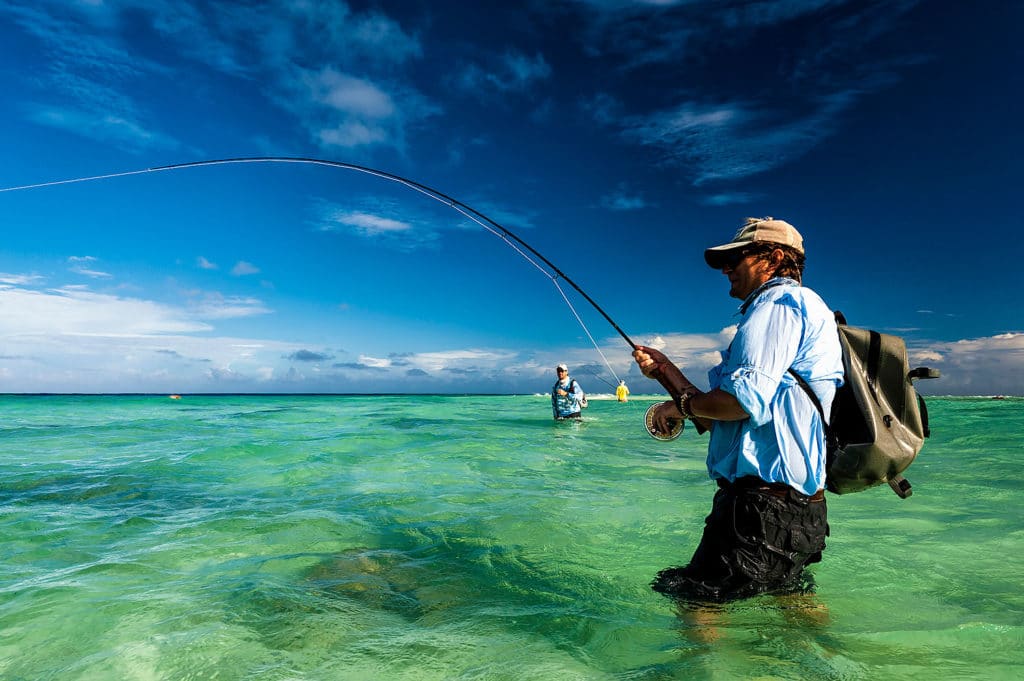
(665, 417)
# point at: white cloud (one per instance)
(371, 224)
(67, 340)
(745, 131)
(921, 356)
(204, 264)
(243, 268)
(119, 130)
(727, 140)
(436, 361)
(81, 265)
(77, 340)
(19, 279)
(377, 362)
(697, 351)
(372, 217)
(330, 67)
(89, 71)
(217, 306)
(69, 312)
(976, 366)
(349, 95)
(351, 134)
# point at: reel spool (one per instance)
(676, 425)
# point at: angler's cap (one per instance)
(756, 229)
(562, 367)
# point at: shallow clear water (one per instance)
(347, 537)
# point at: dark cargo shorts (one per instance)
(757, 539)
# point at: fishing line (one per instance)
(469, 212)
(554, 280)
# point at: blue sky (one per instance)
(617, 138)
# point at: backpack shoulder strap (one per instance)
(811, 394)
(831, 440)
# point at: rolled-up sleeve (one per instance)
(755, 368)
(754, 390)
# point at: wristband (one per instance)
(683, 403)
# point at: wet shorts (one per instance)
(757, 539)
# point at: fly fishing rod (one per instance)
(505, 234)
(468, 211)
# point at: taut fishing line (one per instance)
(516, 243)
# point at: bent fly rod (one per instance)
(467, 211)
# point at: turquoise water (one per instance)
(291, 537)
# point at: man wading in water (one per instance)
(566, 396)
(767, 445)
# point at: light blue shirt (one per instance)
(566, 405)
(783, 325)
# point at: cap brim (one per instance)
(717, 257)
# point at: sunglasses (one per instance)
(732, 260)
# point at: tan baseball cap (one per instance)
(756, 229)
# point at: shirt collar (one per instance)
(771, 283)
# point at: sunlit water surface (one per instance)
(421, 538)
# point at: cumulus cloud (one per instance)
(71, 339)
(68, 340)
(987, 365)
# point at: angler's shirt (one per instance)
(566, 405)
(783, 325)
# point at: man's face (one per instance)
(746, 272)
(562, 373)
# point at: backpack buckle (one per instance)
(901, 486)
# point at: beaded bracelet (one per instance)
(684, 404)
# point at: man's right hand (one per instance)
(654, 364)
(651, 361)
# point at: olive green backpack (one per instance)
(879, 422)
